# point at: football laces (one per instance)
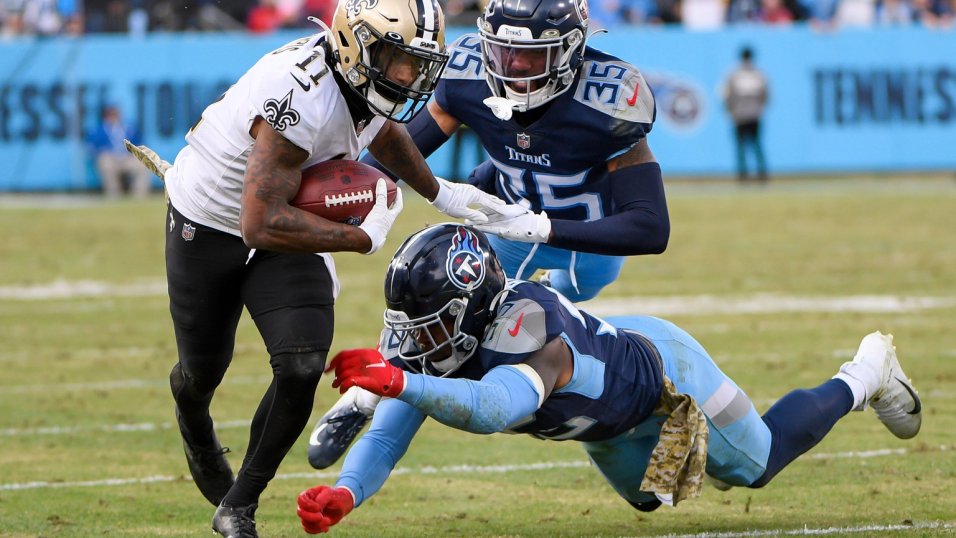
(358, 197)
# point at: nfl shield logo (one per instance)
(524, 141)
(189, 231)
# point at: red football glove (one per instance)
(366, 368)
(321, 507)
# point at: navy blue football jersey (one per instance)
(617, 378)
(558, 163)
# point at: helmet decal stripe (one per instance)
(426, 20)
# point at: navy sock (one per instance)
(800, 420)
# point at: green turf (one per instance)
(101, 360)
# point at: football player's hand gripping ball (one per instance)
(380, 219)
(322, 507)
(528, 227)
(366, 368)
(456, 199)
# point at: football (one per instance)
(341, 191)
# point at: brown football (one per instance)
(341, 191)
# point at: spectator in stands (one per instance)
(745, 94)
(894, 13)
(774, 12)
(112, 159)
(855, 13)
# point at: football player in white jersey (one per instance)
(233, 240)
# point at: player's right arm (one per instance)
(428, 130)
(267, 221)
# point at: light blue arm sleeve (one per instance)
(503, 396)
(374, 455)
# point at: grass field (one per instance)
(778, 283)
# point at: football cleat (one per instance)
(893, 397)
(235, 521)
(333, 434)
(647, 506)
(207, 465)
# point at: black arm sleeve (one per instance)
(483, 177)
(639, 225)
(427, 135)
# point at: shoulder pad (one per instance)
(519, 328)
(464, 59)
(617, 89)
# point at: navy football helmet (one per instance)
(532, 49)
(443, 276)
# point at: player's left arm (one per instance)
(365, 469)
(640, 223)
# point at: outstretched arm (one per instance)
(505, 395)
(366, 467)
(639, 225)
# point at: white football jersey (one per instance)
(292, 88)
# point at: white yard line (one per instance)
(806, 531)
(759, 303)
(428, 470)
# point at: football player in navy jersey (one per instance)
(234, 242)
(478, 352)
(565, 126)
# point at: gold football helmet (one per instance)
(391, 52)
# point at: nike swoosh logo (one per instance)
(305, 86)
(314, 438)
(376, 365)
(918, 406)
(633, 98)
(514, 331)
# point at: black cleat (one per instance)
(235, 521)
(333, 434)
(648, 506)
(208, 466)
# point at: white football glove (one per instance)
(455, 199)
(529, 227)
(153, 162)
(380, 219)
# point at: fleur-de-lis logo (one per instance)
(354, 7)
(280, 113)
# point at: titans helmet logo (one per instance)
(465, 264)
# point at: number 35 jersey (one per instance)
(617, 379)
(558, 163)
(293, 89)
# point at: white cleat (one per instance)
(893, 398)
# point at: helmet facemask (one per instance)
(458, 345)
(391, 53)
(529, 71)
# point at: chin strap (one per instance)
(316, 20)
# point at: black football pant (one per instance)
(289, 297)
(748, 136)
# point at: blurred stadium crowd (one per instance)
(77, 17)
